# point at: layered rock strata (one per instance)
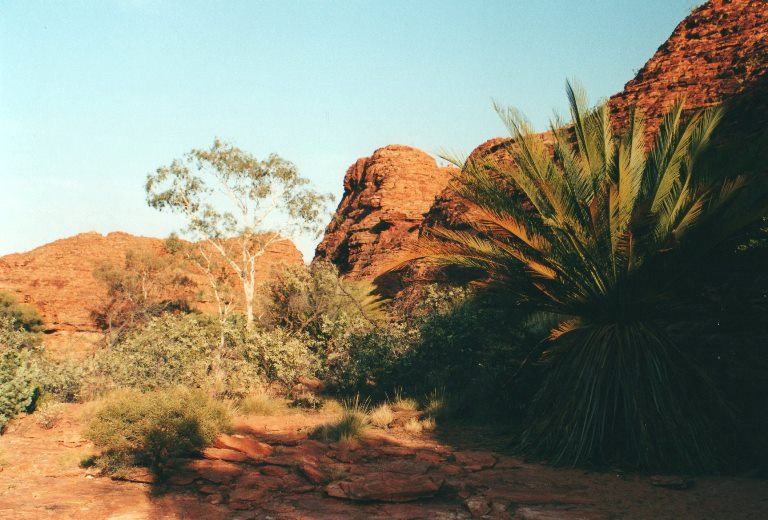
(385, 198)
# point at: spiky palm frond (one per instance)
(600, 232)
(368, 302)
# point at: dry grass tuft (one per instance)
(261, 404)
(382, 416)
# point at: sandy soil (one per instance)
(40, 478)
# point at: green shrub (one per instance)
(186, 350)
(305, 299)
(168, 351)
(22, 315)
(147, 429)
(62, 380)
(367, 362)
(18, 374)
(280, 356)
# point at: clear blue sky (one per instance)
(96, 94)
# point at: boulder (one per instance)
(251, 447)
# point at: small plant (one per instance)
(406, 404)
(23, 315)
(436, 404)
(261, 403)
(352, 425)
(49, 415)
(428, 424)
(18, 386)
(62, 379)
(414, 425)
(147, 429)
(332, 406)
(382, 416)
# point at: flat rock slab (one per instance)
(251, 447)
(225, 454)
(386, 487)
(475, 460)
(671, 482)
(540, 513)
(216, 471)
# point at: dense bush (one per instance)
(474, 350)
(185, 350)
(300, 298)
(18, 375)
(147, 429)
(63, 379)
(279, 356)
(367, 362)
(343, 323)
(19, 315)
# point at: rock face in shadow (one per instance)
(57, 278)
(385, 198)
(719, 53)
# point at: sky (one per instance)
(96, 94)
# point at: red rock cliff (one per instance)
(384, 202)
(58, 277)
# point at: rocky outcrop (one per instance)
(384, 202)
(57, 278)
(719, 53)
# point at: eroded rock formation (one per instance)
(384, 202)
(719, 53)
(58, 277)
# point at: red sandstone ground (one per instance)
(269, 469)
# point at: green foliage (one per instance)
(344, 323)
(147, 429)
(18, 375)
(368, 362)
(21, 315)
(606, 237)
(312, 299)
(63, 380)
(281, 357)
(184, 350)
(258, 194)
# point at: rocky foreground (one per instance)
(270, 469)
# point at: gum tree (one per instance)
(237, 206)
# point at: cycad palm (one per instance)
(601, 233)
